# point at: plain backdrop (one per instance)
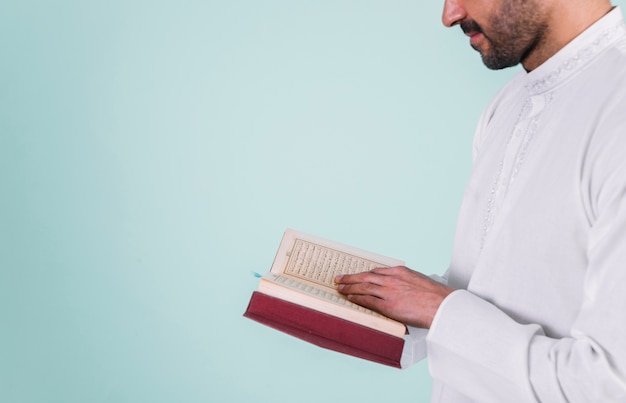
(152, 154)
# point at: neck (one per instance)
(566, 20)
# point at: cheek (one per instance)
(501, 29)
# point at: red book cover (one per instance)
(324, 330)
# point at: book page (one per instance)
(320, 264)
(331, 296)
(318, 260)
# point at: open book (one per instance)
(299, 296)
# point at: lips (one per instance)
(475, 37)
(473, 30)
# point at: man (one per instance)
(533, 308)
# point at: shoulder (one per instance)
(604, 166)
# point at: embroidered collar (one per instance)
(578, 53)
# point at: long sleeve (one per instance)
(482, 352)
(414, 346)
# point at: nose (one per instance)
(453, 12)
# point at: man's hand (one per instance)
(397, 292)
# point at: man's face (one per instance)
(505, 32)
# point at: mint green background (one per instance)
(153, 152)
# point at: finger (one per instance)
(393, 271)
(376, 276)
(385, 271)
(352, 278)
(361, 289)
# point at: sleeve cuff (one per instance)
(414, 346)
(478, 349)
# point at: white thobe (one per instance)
(539, 260)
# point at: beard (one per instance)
(500, 54)
(510, 36)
